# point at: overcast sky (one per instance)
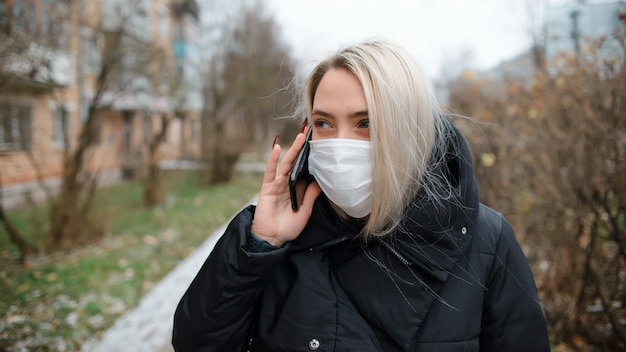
(481, 33)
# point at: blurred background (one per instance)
(130, 130)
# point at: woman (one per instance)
(390, 249)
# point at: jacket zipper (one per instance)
(395, 253)
(345, 238)
(330, 243)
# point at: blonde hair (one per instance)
(406, 126)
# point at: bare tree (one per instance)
(122, 69)
(535, 13)
(248, 67)
(152, 193)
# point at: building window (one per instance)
(197, 132)
(147, 128)
(30, 20)
(90, 50)
(81, 8)
(179, 33)
(44, 23)
(60, 128)
(16, 15)
(179, 70)
(4, 21)
(15, 127)
(164, 21)
(164, 79)
(85, 104)
(64, 36)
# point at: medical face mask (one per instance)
(343, 170)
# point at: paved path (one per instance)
(148, 328)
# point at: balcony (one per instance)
(39, 68)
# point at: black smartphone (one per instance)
(300, 177)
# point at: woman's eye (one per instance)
(364, 124)
(321, 124)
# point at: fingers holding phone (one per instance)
(275, 219)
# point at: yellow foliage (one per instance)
(487, 159)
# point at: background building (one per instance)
(53, 55)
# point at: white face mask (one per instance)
(343, 169)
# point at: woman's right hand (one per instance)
(274, 220)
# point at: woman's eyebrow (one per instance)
(363, 113)
(320, 112)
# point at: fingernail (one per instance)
(275, 140)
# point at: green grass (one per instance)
(60, 300)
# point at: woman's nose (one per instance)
(345, 133)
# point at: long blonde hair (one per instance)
(406, 125)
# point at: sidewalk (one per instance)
(148, 328)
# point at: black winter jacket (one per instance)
(451, 278)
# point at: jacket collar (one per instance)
(325, 229)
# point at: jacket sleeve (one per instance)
(513, 319)
(216, 313)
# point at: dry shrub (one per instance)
(551, 155)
